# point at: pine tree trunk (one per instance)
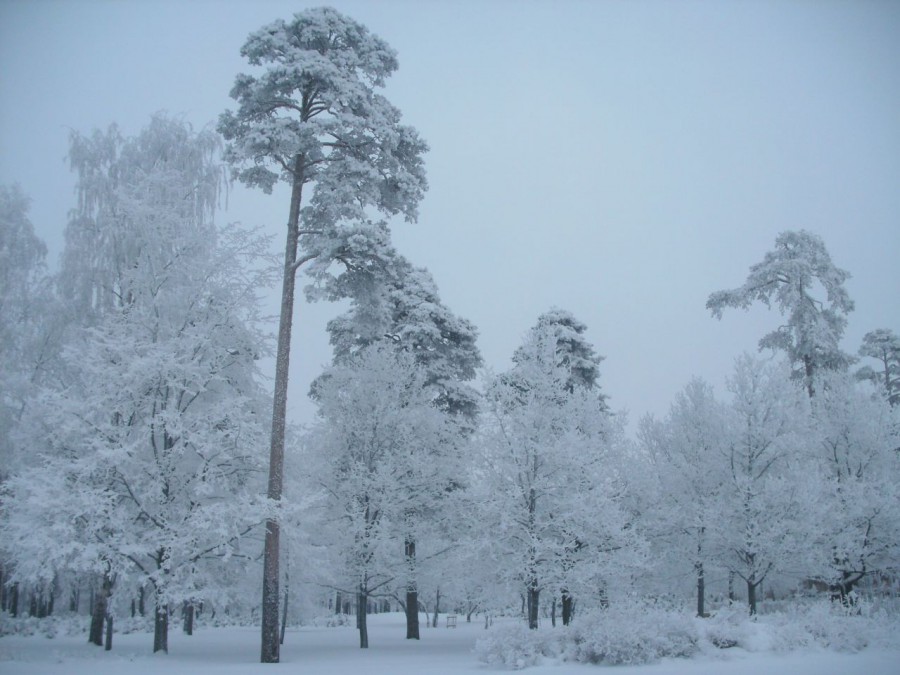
(270, 596)
(161, 627)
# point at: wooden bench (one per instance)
(451, 621)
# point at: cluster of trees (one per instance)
(132, 413)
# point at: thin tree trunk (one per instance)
(270, 646)
(412, 592)
(437, 608)
(553, 613)
(731, 594)
(751, 595)
(337, 603)
(109, 633)
(284, 613)
(701, 589)
(161, 627)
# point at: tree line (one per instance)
(141, 460)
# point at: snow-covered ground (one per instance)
(334, 651)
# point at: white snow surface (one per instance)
(335, 651)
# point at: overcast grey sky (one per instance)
(620, 160)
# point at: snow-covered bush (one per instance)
(631, 634)
(513, 645)
(49, 627)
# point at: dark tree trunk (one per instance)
(731, 594)
(284, 614)
(188, 623)
(568, 608)
(142, 610)
(701, 589)
(270, 652)
(412, 592)
(751, 595)
(437, 608)
(14, 600)
(337, 603)
(362, 602)
(99, 611)
(553, 613)
(533, 604)
(109, 633)
(73, 601)
(161, 627)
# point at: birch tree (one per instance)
(313, 117)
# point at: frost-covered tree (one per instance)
(156, 418)
(158, 436)
(856, 440)
(135, 197)
(686, 453)
(29, 343)
(548, 492)
(376, 412)
(313, 117)
(883, 345)
(27, 335)
(397, 304)
(796, 275)
(762, 524)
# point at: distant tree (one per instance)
(687, 453)
(376, 412)
(884, 346)
(798, 270)
(549, 492)
(314, 117)
(29, 346)
(762, 522)
(856, 439)
(167, 180)
(27, 338)
(397, 305)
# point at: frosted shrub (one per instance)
(515, 646)
(631, 634)
(727, 627)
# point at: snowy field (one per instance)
(334, 651)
